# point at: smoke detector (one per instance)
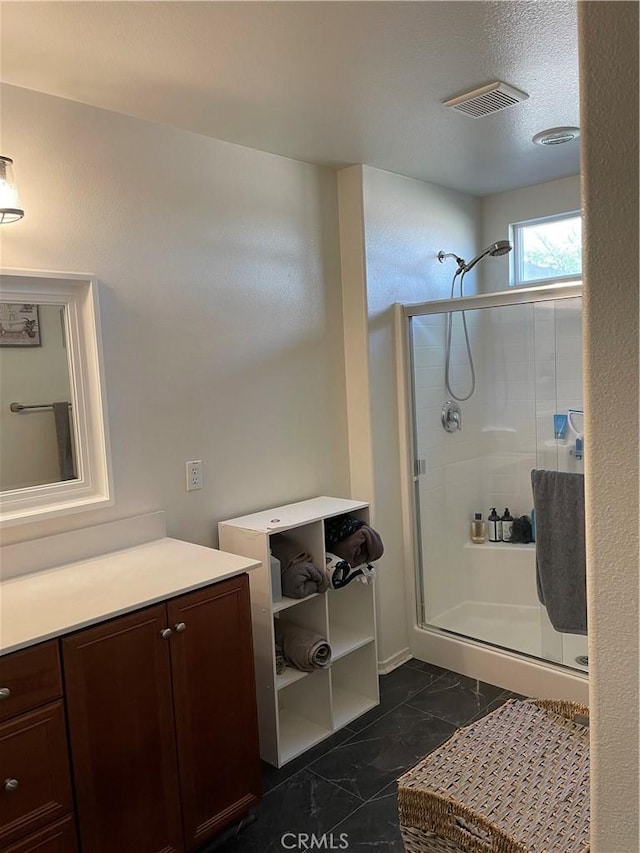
(486, 100)
(556, 135)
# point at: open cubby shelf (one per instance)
(297, 709)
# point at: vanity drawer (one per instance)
(35, 788)
(29, 678)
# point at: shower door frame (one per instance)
(475, 658)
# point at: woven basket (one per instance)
(516, 781)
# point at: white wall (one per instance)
(608, 34)
(404, 223)
(220, 301)
(502, 209)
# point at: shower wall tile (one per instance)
(545, 387)
(429, 356)
(428, 376)
(571, 390)
(459, 354)
(523, 389)
(507, 416)
(544, 367)
(502, 483)
(517, 371)
(434, 478)
(546, 408)
(425, 329)
(568, 348)
(545, 342)
(570, 368)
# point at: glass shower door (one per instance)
(527, 360)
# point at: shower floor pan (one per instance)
(509, 626)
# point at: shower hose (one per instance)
(447, 378)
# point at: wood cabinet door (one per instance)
(118, 689)
(215, 707)
(35, 785)
(58, 838)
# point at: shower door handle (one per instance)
(451, 416)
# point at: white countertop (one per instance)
(45, 604)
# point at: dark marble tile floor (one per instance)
(345, 787)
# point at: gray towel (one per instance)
(558, 499)
(288, 551)
(302, 649)
(302, 579)
(61, 413)
(300, 576)
(281, 663)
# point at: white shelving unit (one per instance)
(299, 709)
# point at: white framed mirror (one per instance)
(54, 443)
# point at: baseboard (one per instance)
(388, 665)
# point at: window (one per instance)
(547, 249)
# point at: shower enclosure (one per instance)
(526, 347)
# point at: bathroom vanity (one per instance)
(127, 696)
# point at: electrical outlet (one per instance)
(194, 475)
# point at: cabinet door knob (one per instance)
(5, 692)
(166, 633)
(10, 784)
(179, 627)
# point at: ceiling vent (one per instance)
(486, 100)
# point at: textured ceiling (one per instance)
(327, 82)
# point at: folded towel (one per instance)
(363, 546)
(302, 579)
(288, 551)
(302, 649)
(300, 576)
(558, 499)
(64, 440)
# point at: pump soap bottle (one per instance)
(494, 526)
(507, 526)
(478, 531)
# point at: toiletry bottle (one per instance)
(494, 526)
(478, 531)
(276, 582)
(507, 526)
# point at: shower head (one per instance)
(501, 247)
(495, 250)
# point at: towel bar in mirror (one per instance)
(54, 447)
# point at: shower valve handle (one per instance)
(451, 416)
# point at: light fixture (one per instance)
(10, 210)
(556, 135)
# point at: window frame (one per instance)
(516, 263)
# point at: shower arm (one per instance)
(463, 266)
(460, 261)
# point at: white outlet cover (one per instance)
(194, 475)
